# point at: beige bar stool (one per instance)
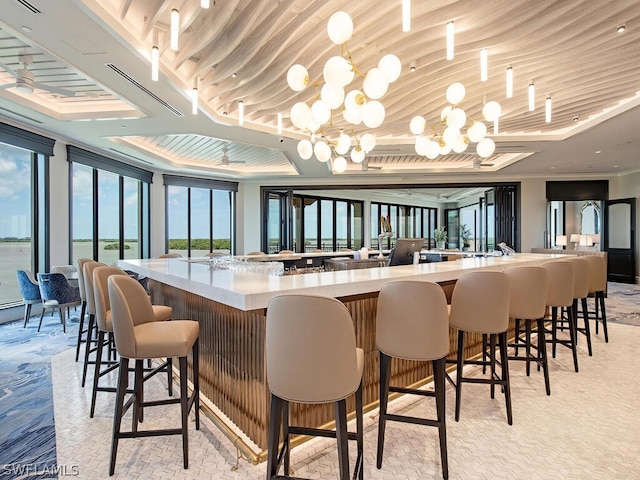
(312, 357)
(480, 304)
(82, 333)
(139, 336)
(412, 323)
(560, 281)
(105, 333)
(528, 302)
(89, 348)
(580, 294)
(597, 289)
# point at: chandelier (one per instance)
(446, 136)
(333, 116)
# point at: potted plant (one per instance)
(465, 235)
(440, 236)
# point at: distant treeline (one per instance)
(199, 244)
(15, 239)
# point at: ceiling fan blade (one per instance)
(60, 91)
(10, 70)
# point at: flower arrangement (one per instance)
(465, 235)
(440, 236)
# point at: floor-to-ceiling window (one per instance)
(406, 221)
(109, 208)
(24, 161)
(199, 215)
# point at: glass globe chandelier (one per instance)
(337, 110)
(447, 136)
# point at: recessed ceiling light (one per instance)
(575, 119)
(598, 151)
(620, 28)
(615, 166)
(553, 168)
(234, 75)
(26, 28)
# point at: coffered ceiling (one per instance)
(97, 53)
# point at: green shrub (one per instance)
(116, 246)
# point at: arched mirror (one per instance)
(590, 218)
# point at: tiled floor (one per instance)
(587, 429)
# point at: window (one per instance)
(109, 208)
(24, 162)
(406, 221)
(200, 215)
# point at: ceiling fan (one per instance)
(224, 161)
(365, 166)
(479, 164)
(25, 80)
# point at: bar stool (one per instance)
(82, 333)
(580, 294)
(528, 302)
(560, 281)
(480, 304)
(412, 323)
(311, 357)
(87, 278)
(139, 336)
(597, 288)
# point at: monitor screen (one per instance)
(402, 254)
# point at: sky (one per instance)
(15, 192)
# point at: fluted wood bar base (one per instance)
(231, 309)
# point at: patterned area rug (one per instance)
(27, 429)
(623, 304)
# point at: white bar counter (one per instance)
(251, 291)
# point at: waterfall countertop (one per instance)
(250, 291)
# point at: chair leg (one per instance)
(275, 421)
(492, 342)
(484, 353)
(63, 320)
(517, 336)
(41, 317)
(542, 351)
(170, 376)
(27, 314)
(502, 338)
(80, 328)
(123, 380)
(138, 392)
(528, 346)
(342, 438)
(385, 373)
(459, 367)
(600, 296)
(184, 406)
(195, 366)
(439, 386)
(587, 327)
(96, 373)
(87, 348)
(554, 330)
(286, 445)
(359, 433)
(573, 324)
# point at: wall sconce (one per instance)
(561, 241)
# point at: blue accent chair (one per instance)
(57, 294)
(29, 290)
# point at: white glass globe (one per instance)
(300, 115)
(485, 147)
(417, 124)
(322, 151)
(445, 112)
(373, 114)
(313, 126)
(456, 118)
(368, 142)
(340, 27)
(320, 113)
(433, 150)
(422, 145)
(445, 149)
(477, 131)
(450, 135)
(357, 154)
(491, 111)
(305, 149)
(338, 72)
(460, 145)
(332, 96)
(455, 93)
(375, 84)
(391, 66)
(344, 144)
(354, 101)
(353, 116)
(297, 77)
(339, 165)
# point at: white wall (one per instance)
(628, 186)
(157, 219)
(59, 208)
(533, 213)
(248, 218)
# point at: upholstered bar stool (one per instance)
(480, 304)
(597, 288)
(82, 333)
(412, 323)
(139, 336)
(528, 302)
(580, 294)
(105, 329)
(560, 281)
(312, 357)
(90, 345)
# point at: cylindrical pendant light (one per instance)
(155, 60)
(175, 29)
(547, 110)
(532, 97)
(509, 82)
(450, 34)
(406, 15)
(484, 73)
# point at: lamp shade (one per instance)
(561, 240)
(586, 240)
(575, 237)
